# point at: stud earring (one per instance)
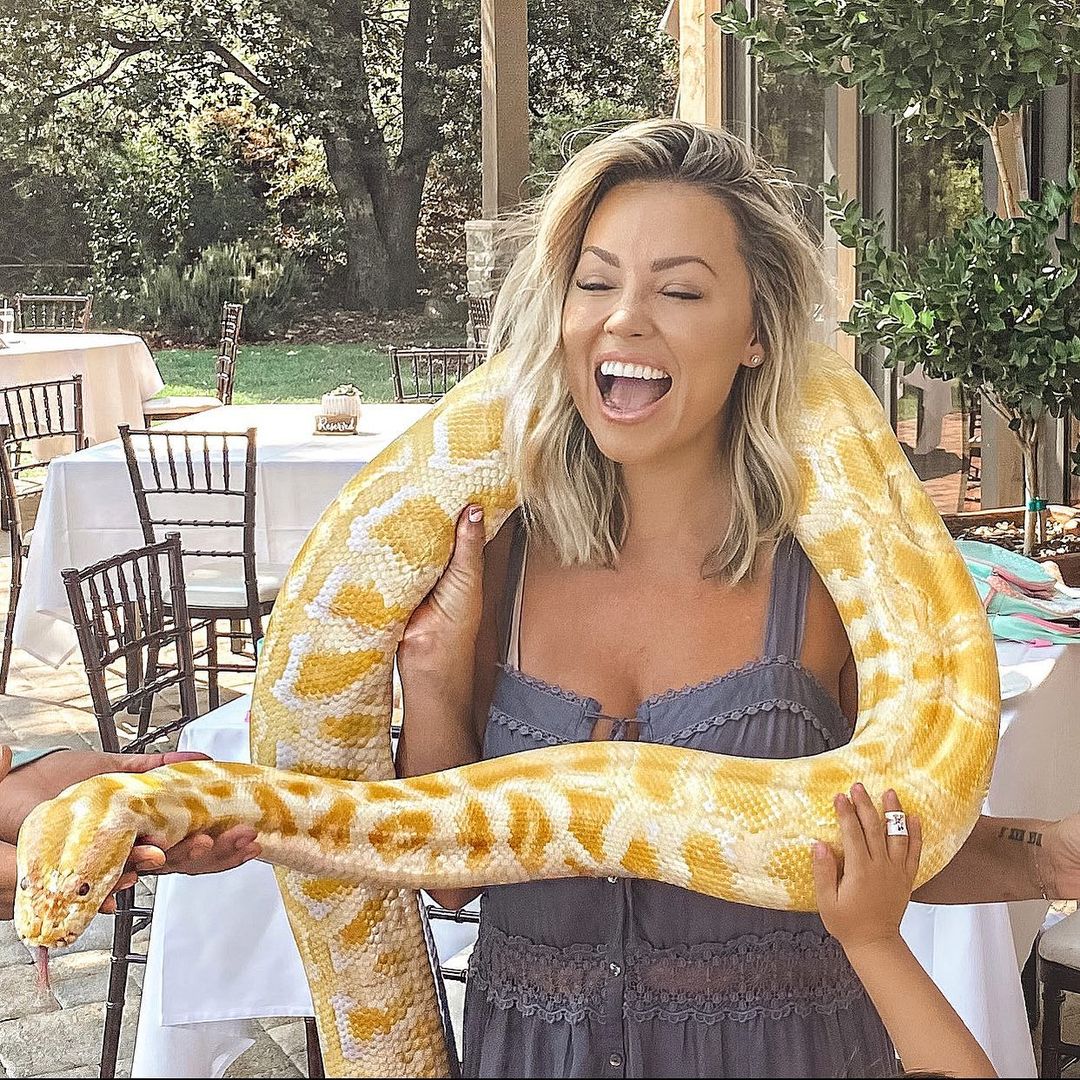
(755, 360)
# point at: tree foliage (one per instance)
(936, 64)
(308, 123)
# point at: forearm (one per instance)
(438, 733)
(23, 789)
(8, 876)
(1003, 859)
(924, 1027)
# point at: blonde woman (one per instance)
(651, 589)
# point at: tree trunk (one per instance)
(381, 211)
(1034, 514)
(1007, 139)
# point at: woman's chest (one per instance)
(622, 641)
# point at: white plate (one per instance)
(1013, 684)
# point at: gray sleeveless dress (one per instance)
(582, 977)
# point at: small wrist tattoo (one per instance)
(1021, 836)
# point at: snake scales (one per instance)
(734, 828)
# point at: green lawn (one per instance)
(305, 373)
(281, 372)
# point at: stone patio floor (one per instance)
(59, 1034)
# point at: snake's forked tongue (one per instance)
(42, 961)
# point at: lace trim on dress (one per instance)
(555, 984)
(530, 732)
(777, 704)
(717, 680)
(772, 976)
(546, 687)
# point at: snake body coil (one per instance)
(736, 828)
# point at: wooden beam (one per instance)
(842, 161)
(700, 62)
(505, 94)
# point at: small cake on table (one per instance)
(340, 412)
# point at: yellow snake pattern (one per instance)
(736, 828)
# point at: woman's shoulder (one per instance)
(825, 641)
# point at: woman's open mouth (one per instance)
(630, 391)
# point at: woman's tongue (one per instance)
(632, 395)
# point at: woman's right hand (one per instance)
(439, 642)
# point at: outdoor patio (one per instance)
(266, 243)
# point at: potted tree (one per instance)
(996, 305)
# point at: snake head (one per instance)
(67, 866)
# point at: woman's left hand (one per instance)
(862, 902)
(200, 853)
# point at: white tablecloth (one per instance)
(221, 950)
(88, 513)
(118, 372)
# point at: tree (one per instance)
(375, 81)
(940, 66)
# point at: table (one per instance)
(88, 513)
(194, 1004)
(196, 1013)
(118, 372)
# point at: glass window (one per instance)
(939, 185)
(1074, 424)
(789, 126)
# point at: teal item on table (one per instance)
(24, 757)
(1023, 600)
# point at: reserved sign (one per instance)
(335, 425)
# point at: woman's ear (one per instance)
(755, 354)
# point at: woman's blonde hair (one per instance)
(571, 492)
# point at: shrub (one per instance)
(184, 302)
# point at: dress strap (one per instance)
(510, 616)
(787, 600)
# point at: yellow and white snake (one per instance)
(735, 828)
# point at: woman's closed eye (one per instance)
(603, 286)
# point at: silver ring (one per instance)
(895, 823)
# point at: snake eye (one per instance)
(24, 883)
(84, 888)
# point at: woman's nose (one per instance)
(628, 319)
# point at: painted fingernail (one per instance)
(476, 513)
(818, 850)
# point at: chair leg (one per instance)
(1029, 983)
(212, 663)
(118, 972)
(1051, 1027)
(314, 1052)
(9, 636)
(147, 706)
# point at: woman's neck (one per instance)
(677, 511)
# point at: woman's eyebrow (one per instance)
(666, 263)
(677, 260)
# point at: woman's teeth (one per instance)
(631, 371)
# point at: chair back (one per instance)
(54, 314)
(9, 501)
(121, 617)
(213, 474)
(425, 375)
(228, 346)
(480, 317)
(45, 410)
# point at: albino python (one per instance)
(734, 828)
